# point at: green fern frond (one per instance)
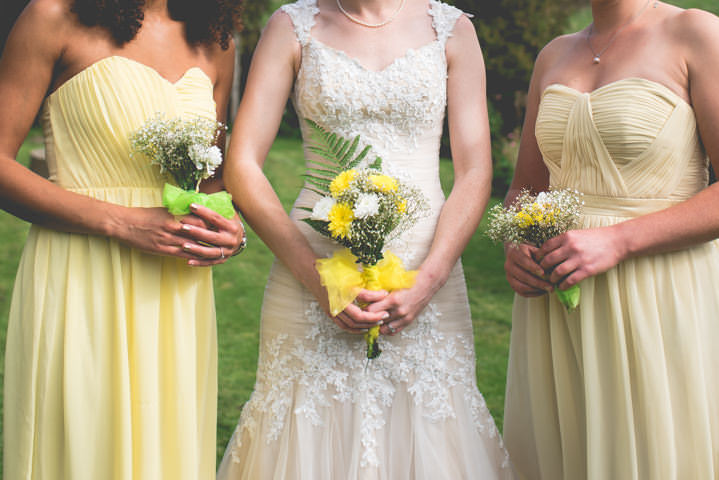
(334, 148)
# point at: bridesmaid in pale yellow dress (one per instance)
(626, 386)
(110, 369)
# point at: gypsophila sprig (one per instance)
(183, 148)
(534, 219)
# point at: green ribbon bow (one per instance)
(178, 201)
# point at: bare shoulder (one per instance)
(279, 23)
(44, 14)
(42, 29)
(694, 25)
(555, 51)
(696, 33)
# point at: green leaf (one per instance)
(335, 149)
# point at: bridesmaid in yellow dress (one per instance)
(626, 386)
(110, 366)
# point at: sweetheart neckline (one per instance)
(616, 83)
(103, 60)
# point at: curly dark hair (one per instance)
(206, 21)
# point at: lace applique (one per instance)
(302, 13)
(329, 365)
(443, 19)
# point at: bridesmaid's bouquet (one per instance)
(187, 150)
(362, 209)
(534, 219)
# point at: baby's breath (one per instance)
(534, 219)
(183, 148)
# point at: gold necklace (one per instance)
(598, 56)
(371, 25)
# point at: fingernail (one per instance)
(186, 227)
(385, 316)
(187, 247)
(193, 206)
(380, 323)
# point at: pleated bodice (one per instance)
(88, 122)
(632, 138)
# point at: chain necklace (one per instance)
(371, 25)
(598, 55)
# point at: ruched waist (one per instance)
(150, 196)
(624, 207)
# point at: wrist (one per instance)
(434, 276)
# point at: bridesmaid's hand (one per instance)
(524, 274)
(578, 254)
(405, 305)
(151, 230)
(212, 237)
(354, 319)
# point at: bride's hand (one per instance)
(524, 274)
(354, 319)
(214, 237)
(404, 306)
(578, 254)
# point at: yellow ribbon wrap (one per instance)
(343, 280)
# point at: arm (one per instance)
(583, 253)
(472, 161)
(224, 235)
(34, 49)
(269, 83)
(523, 272)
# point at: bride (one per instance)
(385, 70)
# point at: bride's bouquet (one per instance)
(186, 150)
(362, 209)
(534, 220)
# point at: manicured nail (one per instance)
(385, 316)
(186, 227)
(380, 323)
(193, 206)
(187, 247)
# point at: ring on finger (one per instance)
(222, 253)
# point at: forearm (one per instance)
(457, 222)
(36, 200)
(689, 223)
(264, 212)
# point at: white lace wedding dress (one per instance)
(318, 410)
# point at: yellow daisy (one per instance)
(342, 182)
(340, 217)
(383, 183)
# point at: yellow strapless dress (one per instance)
(626, 387)
(111, 352)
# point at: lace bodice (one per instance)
(393, 109)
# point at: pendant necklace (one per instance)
(598, 55)
(371, 25)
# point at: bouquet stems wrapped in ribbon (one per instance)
(534, 219)
(362, 209)
(186, 150)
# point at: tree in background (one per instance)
(512, 32)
